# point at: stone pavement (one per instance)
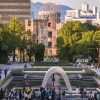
(11, 67)
(17, 65)
(14, 66)
(3, 74)
(97, 71)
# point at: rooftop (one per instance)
(50, 7)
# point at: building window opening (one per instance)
(29, 22)
(49, 24)
(49, 44)
(49, 34)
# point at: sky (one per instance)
(76, 4)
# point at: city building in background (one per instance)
(46, 27)
(20, 9)
(38, 27)
(85, 15)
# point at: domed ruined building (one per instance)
(46, 27)
(50, 11)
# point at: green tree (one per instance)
(30, 45)
(39, 52)
(14, 28)
(74, 39)
(4, 43)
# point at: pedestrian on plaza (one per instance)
(85, 92)
(63, 95)
(98, 96)
(81, 91)
(0, 70)
(20, 94)
(1, 94)
(53, 94)
(95, 97)
(33, 94)
(59, 95)
(80, 66)
(25, 66)
(11, 95)
(43, 94)
(0, 73)
(15, 94)
(5, 71)
(49, 94)
(77, 90)
(0, 76)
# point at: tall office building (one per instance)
(20, 9)
(94, 10)
(85, 7)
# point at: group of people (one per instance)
(78, 65)
(33, 94)
(91, 95)
(44, 94)
(5, 72)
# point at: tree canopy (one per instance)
(75, 38)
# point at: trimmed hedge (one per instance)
(52, 64)
(91, 73)
(46, 69)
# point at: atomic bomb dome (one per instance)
(50, 11)
(50, 7)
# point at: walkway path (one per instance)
(11, 67)
(14, 66)
(18, 66)
(3, 74)
(21, 65)
(97, 71)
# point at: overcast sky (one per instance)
(76, 4)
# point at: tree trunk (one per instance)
(14, 55)
(20, 56)
(23, 56)
(30, 58)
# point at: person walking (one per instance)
(43, 94)
(0, 73)
(63, 94)
(79, 65)
(25, 66)
(81, 91)
(5, 71)
(1, 94)
(20, 94)
(53, 94)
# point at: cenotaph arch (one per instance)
(57, 70)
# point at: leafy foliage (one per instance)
(74, 40)
(14, 37)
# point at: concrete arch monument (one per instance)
(59, 70)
